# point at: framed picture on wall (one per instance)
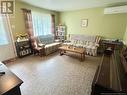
(84, 22)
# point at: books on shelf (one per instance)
(60, 32)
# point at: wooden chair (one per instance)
(37, 49)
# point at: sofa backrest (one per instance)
(82, 37)
(45, 39)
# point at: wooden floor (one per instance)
(55, 75)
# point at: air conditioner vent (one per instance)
(115, 10)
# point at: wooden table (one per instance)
(113, 44)
(81, 51)
(9, 82)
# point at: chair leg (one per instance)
(40, 53)
(35, 52)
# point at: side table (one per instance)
(115, 45)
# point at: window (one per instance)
(3, 35)
(41, 24)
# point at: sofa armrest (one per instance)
(41, 45)
(57, 40)
(67, 41)
(97, 45)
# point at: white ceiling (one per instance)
(68, 5)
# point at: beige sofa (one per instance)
(48, 43)
(90, 43)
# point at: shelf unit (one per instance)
(60, 32)
(23, 48)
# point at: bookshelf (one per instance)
(23, 48)
(60, 32)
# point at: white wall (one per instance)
(6, 52)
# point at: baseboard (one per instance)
(9, 60)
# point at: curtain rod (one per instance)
(25, 9)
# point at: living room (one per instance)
(64, 64)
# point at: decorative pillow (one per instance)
(82, 42)
(87, 43)
(75, 42)
(72, 41)
(78, 42)
(91, 43)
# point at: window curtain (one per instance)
(53, 23)
(42, 24)
(28, 22)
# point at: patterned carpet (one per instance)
(55, 75)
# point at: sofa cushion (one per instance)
(51, 45)
(50, 48)
(82, 37)
(41, 45)
(46, 39)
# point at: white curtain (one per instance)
(3, 34)
(41, 24)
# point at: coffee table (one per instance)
(65, 48)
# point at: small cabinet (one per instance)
(104, 44)
(23, 48)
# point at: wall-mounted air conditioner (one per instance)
(115, 10)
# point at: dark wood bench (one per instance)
(111, 75)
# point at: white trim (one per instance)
(11, 35)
